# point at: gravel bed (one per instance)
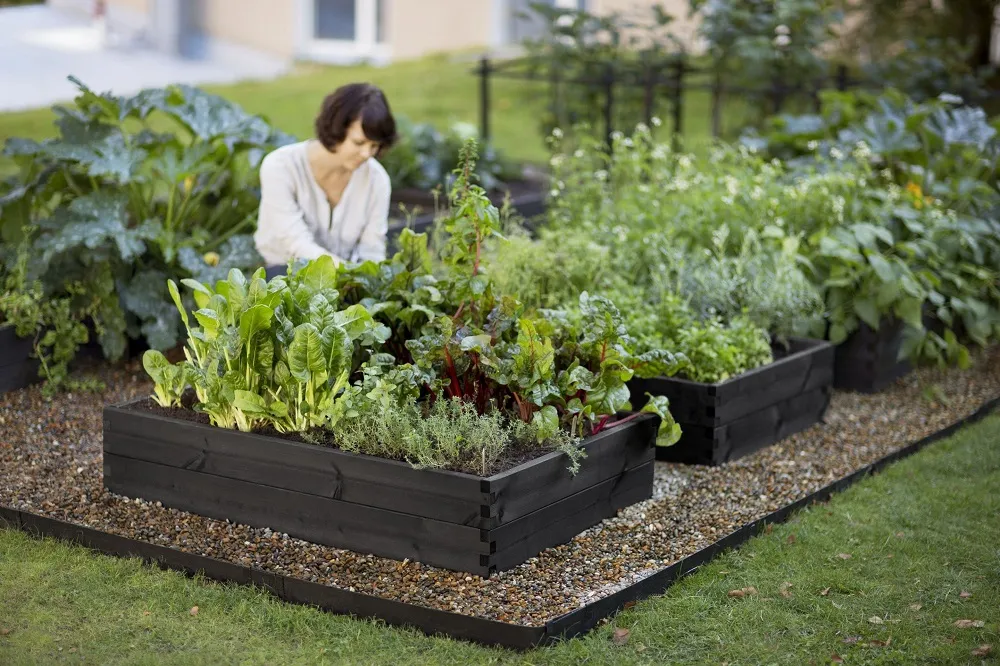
(51, 463)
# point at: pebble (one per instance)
(691, 506)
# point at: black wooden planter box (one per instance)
(731, 419)
(17, 367)
(868, 361)
(373, 505)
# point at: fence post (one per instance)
(777, 95)
(609, 102)
(648, 101)
(841, 77)
(717, 103)
(678, 106)
(484, 98)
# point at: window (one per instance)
(343, 31)
(335, 19)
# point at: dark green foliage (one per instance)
(119, 207)
(425, 157)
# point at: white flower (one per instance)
(684, 162)
(782, 41)
(756, 193)
(617, 135)
(862, 151)
(731, 185)
(557, 133)
(949, 98)
(579, 153)
(627, 142)
(836, 154)
(812, 145)
(656, 121)
(641, 127)
(782, 29)
(601, 175)
(682, 185)
(556, 160)
(554, 192)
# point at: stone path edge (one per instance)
(438, 622)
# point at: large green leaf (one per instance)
(253, 319)
(305, 355)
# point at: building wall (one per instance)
(417, 28)
(266, 26)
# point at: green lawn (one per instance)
(879, 575)
(436, 89)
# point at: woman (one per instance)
(329, 195)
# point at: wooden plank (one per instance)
(319, 520)
(529, 487)
(510, 533)
(572, 517)
(255, 462)
(700, 445)
(195, 439)
(868, 361)
(809, 365)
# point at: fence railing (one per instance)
(666, 82)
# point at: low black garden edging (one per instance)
(433, 621)
(868, 360)
(734, 418)
(17, 367)
(441, 518)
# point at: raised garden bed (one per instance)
(17, 367)
(452, 520)
(868, 361)
(728, 420)
(563, 593)
(527, 197)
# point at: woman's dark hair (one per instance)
(348, 103)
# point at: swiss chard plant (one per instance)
(135, 190)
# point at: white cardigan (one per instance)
(295, 220)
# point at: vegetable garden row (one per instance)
(495, 387)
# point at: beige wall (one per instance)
(142, 6)
(420, 27)
(265, 25)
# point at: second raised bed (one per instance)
(731, 419)
(367, 504)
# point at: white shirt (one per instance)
(295, 220)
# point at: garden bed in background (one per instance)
(868, 360)
(51, 466)
(728, 420)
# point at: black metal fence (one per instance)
(666, 82)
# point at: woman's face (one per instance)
(356, 147)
